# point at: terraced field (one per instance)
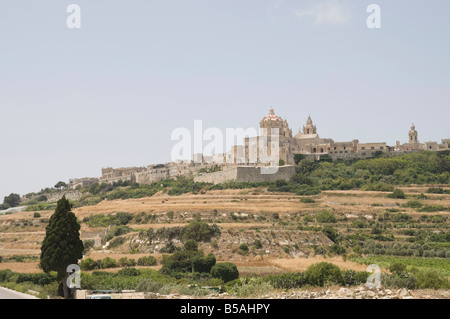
(291, 236)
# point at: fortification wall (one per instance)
(246, 174)
(227, 174)
(70, 195)
(253, 174)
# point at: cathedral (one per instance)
(307, 142)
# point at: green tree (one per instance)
(225, 271)
(60, 185)
(62, 245)
(323, 273)
(12, 200)
(191, 245)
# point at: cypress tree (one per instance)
(62, 245)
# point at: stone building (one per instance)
(111, 175)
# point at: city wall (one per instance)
(246, 174)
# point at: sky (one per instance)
(110, 93)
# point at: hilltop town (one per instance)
(242, 163)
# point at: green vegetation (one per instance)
(441, 265)
(312, 177)
(12, 200)
(325, 216)
(307, 200)
(45, 284)
(62, 245)
(225, 271)
(397, 193)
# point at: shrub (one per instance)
(354, 278)
(331, 233)
(433, 208)
(397, 193)
(225, 271)
(325, 216)
(191, 245)
(88, 264)
(307, 200)
(88, 243)
(378, 187)
(251, 287)
(36, 215)
(116, 242)
(431, 278)
(214, 244)
(243, 247)
(200, 231)
(129, 272)
(397, 268)
(287, 280)
(6, 275)
(435, 190)
(396, 281)
(149, 285)
(413, 204)
(203, 264)
(117, 231)
(169, 248)
(323, 273)
(257, 244)
(308, 218)
(40, 279)
(179, 262)
(108, 262)
(147, 261)
(359, 224)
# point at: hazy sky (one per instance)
(109, 94)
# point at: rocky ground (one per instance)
(360, 292)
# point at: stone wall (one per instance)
(227, 174)
(246, 174)
(70, 195)
(254, 174)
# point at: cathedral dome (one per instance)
(272, 116)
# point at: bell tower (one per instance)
(309, 128)
(413, 135)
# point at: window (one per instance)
(363, 154)
(372, 148)
(381, 148)
(363, 148)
